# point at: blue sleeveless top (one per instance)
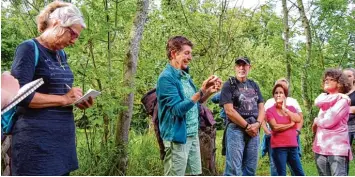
(43, 140)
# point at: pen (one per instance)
(68, 86)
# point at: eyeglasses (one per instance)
(73, 34)
(329, 79)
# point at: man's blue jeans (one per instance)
(241, 152)
(289, 155)
(273, 171)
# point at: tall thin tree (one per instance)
(286, 41)
(130, 63)
(304, 80)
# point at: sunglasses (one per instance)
(73, 34)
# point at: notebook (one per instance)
(90, 93)
(23, 93)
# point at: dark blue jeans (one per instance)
(289, 155)
(241, 152)
(273, 171)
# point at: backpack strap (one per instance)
(36, 51)
(61, 52)
(8, 119)
(233, 83)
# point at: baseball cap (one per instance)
(242, 59)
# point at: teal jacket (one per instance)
(172, 105)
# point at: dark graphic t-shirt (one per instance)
(351, 122)
(245, 97)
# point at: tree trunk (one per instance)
(130, 63)
(304, 80)
(109, 66)
(286, 43)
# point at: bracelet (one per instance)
(201, 93)
(246, 127)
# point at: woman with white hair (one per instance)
(44, 134)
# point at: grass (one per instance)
(144, 159)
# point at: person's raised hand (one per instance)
(9, 83)
(209, 82)
(284, 108)
(218, 84)
(215, 88)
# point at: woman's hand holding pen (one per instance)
(74, 94)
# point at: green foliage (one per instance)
(220, 33)
(334, 32)
(144, 157)
(14, 30)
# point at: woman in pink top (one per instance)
(331, 143)
(284, 144)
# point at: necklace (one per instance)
(44, 43)
(59, 60)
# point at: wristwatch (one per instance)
(246, 127)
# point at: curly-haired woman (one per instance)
(331, 143)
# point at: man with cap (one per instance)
(243, 104)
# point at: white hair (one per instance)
(68, 16)
(66, 13)
(282, 80)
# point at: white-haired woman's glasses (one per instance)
(73, 34)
